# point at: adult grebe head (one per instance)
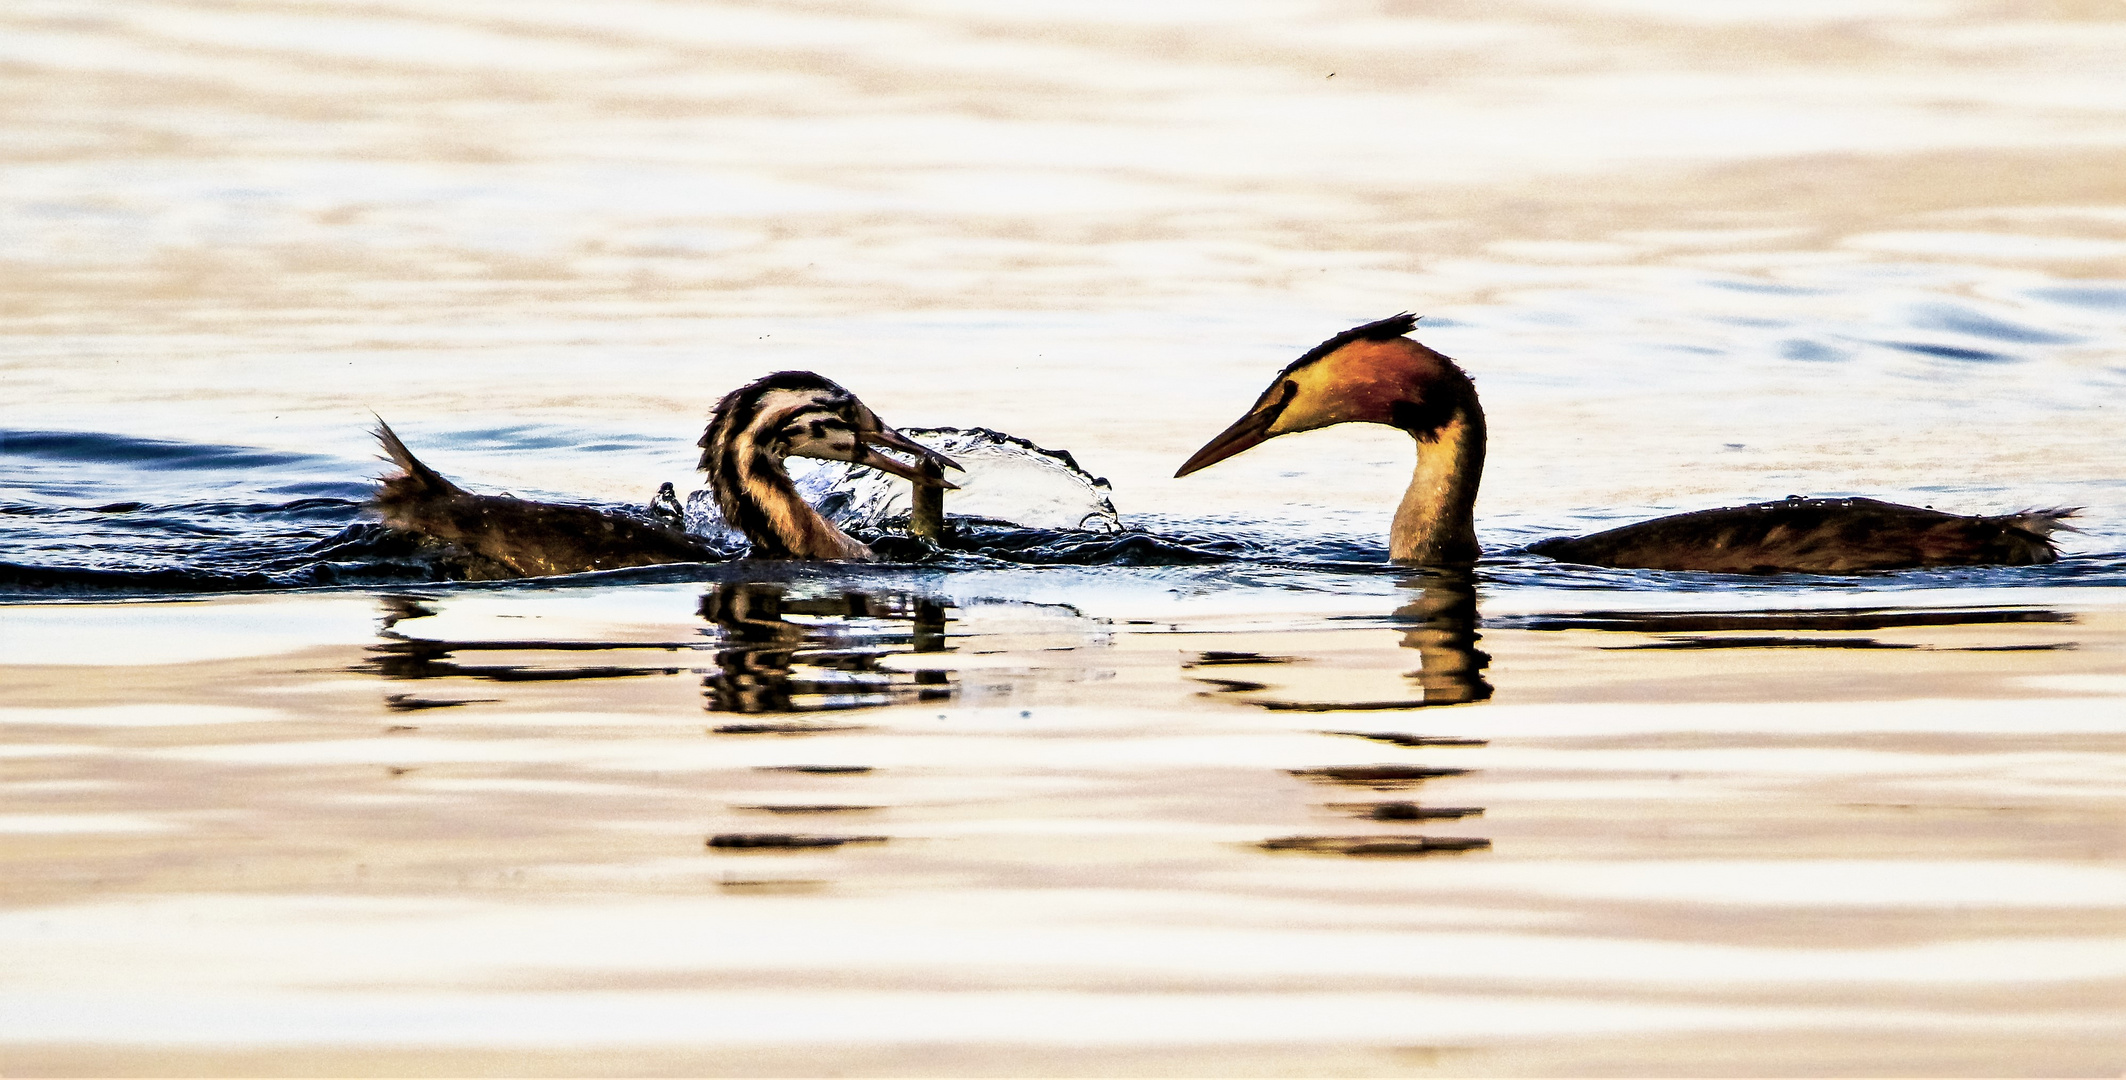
(1367, 374)
(1373, 374)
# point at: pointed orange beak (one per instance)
(1247, 431)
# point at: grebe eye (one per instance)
(1291, 390)
(814, 429)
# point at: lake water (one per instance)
(269, 806)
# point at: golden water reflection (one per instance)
(240, 847)
(766, 663)
(1695, 253)
(1443, 615)
(1442, 620)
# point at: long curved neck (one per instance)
(757, 498)
(1436, 523)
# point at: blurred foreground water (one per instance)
(1220, 793)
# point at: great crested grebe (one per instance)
(752, 430)
(1374, 374)
(798, 414)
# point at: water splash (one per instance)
(85, 514)
(1007, 482)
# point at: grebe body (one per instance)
(1815, 536)
(1376, 374)
(750, 434)
(511, 537)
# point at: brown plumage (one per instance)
(1375, 374)
(512, 537)
(1816, 536)
(753, 429)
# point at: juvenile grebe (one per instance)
(798, 414)
(1374, 374)
(752, 430)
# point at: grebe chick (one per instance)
(1375, 374)
(797, 414)
(752, 431)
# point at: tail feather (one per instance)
(2045, 522)
(418, 479)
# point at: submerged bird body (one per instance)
(1815, 536)
(512, 537)
(1375, 374)
(752, 431)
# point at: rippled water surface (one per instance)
(1202, 787)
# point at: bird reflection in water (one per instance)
(767, 663)
(401, 655)
(1442, 628)
(1808, 628)
(1441, 624)
(1441, 619)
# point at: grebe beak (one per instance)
(894, 440)
(886, 436)
(1249, 430)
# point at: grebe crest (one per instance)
(1374, 374)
